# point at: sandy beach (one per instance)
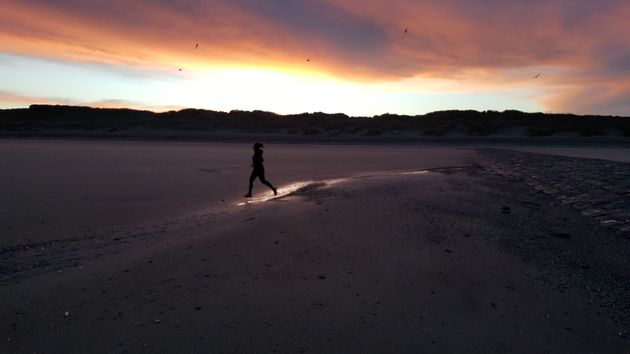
(387, 250)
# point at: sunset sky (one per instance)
(292, 56)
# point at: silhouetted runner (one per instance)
(259, 170)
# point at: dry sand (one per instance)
(383, 263)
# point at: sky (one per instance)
(361, 58)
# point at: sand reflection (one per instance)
(282, 192)
(290, 189)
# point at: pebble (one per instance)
(561, 235)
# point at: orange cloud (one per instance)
(344, 36)
(12, 99)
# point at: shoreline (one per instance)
(613, 141)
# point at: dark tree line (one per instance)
(39, 118)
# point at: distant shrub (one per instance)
(538, 131)
(310, 131)
(435, 130)
(394, 126)
(353, 129)
(481, 130)
(591, 130)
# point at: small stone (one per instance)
(593, 212)
(609, 222)
(66, 314)
(157, 321)
(322, 277)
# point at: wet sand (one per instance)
(60, 189)
(450, 259)
(56, 189)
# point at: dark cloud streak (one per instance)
(339, 28)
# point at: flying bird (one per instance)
(196, 45)
(537, 76)
(180, 69)
(405, 30)
(308, 59)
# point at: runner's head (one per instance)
(258, 145)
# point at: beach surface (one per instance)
(367, 249)
(58, 189)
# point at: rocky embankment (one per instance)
(599, 189)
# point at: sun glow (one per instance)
(292, 90)
(249, 88)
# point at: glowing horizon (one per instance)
(336, 56)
